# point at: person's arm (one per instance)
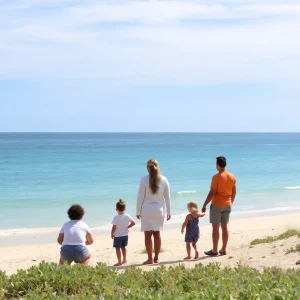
(201, 215)
(167, 197)
(113, 230)
(140, 199)
(233, 194)
(211, 194)
(60, 238)
(209, 198)
(89, 239)
(188, 217)
(131, 224)
(61, 235)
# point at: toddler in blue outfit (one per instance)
(191, 224)
(119, 232)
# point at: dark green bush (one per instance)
(50, 281)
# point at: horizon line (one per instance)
(149, 132)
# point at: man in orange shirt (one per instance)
(222, 194)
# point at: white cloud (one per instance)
(153, 11)
(27, 4)
(45, 33)
(165, 11)
(162, 41)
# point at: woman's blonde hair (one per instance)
(154, 175)
(194, 206)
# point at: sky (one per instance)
(168, 65)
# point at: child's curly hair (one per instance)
(76, 212)
(193, 206)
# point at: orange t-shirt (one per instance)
(223, 183)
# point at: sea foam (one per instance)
(292, 188)
(187, 192)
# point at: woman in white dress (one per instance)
(154, 195)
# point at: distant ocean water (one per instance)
(41, 174)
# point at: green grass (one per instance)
(50, 281)
(293, 249)
(270, 239)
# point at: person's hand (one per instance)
(204, 209)
(112, 236)
(168, 218)
(182, 231)
(138, 217)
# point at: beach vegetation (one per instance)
(270, 239)
(293, 249)
(50, 281)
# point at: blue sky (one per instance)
(149, 65)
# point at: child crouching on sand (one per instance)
(119, 232)
(74, 236)
(191, 224)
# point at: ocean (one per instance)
(42, 174)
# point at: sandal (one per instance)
(222, 253)
(211, 253)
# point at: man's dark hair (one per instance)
(76, 212)
(221, 161)
(121, 205)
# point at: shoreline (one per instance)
(31, 236)
(242, 232)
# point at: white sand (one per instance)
(242, 232)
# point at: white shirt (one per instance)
(145, 195)
(122, 222)
(75, 232)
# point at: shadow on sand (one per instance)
(164, 263)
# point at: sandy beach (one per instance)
(242, 232)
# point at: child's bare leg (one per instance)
(86, 261)
(188, 250)
(196, 250)
(124, 253)
(119, 256)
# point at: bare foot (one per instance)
(118, 265)
(197, 255)
(156, 260)
(124, 262)
(187, 258)
(148, 262)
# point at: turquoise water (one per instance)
(42, 174)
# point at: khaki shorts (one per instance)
(219, 214)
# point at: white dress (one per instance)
(151, 207)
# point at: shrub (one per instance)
(50, 281)
(270, 239)
(3, 284)
(293, 249)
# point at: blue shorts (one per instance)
(121, 241)
(76, 253)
